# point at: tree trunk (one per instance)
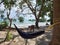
(51, 18)
(56, 18)
(51, 21)
(36, 23)
(10, 22)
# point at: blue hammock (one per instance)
(27, 35)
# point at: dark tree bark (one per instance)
(34, 10)
(36, 23)
(56, 18)
(10, 20)
(51, 18)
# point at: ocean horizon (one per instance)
(26, 24)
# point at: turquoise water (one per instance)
(26, 23)
(1, 20)
(23, 24)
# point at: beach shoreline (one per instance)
(25, 25)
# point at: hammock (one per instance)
(27, 35)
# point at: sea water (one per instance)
(25, 23)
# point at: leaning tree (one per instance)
(8, 6)
(39, 8)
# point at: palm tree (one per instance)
(56, 18)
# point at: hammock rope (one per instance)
(51, 26)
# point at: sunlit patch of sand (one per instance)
(41, 40)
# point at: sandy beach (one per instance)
(44, 39)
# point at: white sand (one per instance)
(40, 40)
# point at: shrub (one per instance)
(9, 36)
(14, 20)
(21, 19)
(3, 25)
(42, 20)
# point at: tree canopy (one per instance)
(38, 8)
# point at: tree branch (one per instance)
(2, 1)
(40, 11)
(5, 37)
(31, 7)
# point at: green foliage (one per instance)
(47, 7)
(2, 16)
(9, 3)
(21, 19)
(14, 20)
(3, 25)
(42, 20)
(39, 2)
(9, 36)
(20, 4)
